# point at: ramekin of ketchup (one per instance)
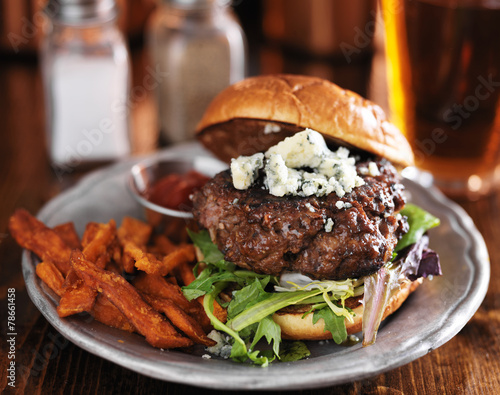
(174, 190)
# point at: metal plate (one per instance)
(431, 316)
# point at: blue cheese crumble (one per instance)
(373, 169)
(301, 165)
(329, 225)
(222, 347)
(271, 128)
(245, 170)
(304, 149)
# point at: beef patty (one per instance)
(269, 234)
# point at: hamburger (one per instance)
(308, 235)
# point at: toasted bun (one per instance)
(256, 113)
(295, 327)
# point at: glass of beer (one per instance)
(443, 69)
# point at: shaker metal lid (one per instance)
(81, 11)
(197, 4)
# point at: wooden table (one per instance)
(469, 363)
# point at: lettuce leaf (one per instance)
(420, 221)
(333, 323)
(417, 260)
(294, 351)
(211, 253)
(247, 297)
(378, 290)
(429, 264)
(271, 331)
(251, 307)
(413, 260)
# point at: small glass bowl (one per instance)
(146, 173)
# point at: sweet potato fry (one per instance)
(77, 298)
(97, 246)
(107, 313)
(127, 263)
(180, 319)
(113, 246)
(149, 263)
(33, 235)
(185, 272)
(67, 232)
(113, 267)
(183, 254)
(147, 321)
(132, 232)
(51, 276)
(219, 311)
(135, 230)
(71, 279)
(91, 230)
(159, 286)
(115, 252)
(162, 245)
(175, 229)
(144, 260)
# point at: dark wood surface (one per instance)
(468, 363)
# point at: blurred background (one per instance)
(337, 40)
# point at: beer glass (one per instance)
(443, 69)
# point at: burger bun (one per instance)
(296, 326)
(256, 113)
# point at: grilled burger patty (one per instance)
(268, 234)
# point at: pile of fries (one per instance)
(89, 276)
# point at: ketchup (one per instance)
(173, 190)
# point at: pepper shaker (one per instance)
(201, 48)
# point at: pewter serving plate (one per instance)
(431, 316)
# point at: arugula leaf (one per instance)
(239, 351)
(205, 281)
(211, 253)
(246, 297)
(268, 306)
(420, 221)
(294, 352)
(251, 308)
(333, 323)
(271, 330)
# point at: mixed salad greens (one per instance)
(256, 297)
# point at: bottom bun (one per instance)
(294, 326)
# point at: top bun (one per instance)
(256, 113)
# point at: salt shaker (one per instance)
(200, 48)
(86, 74)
